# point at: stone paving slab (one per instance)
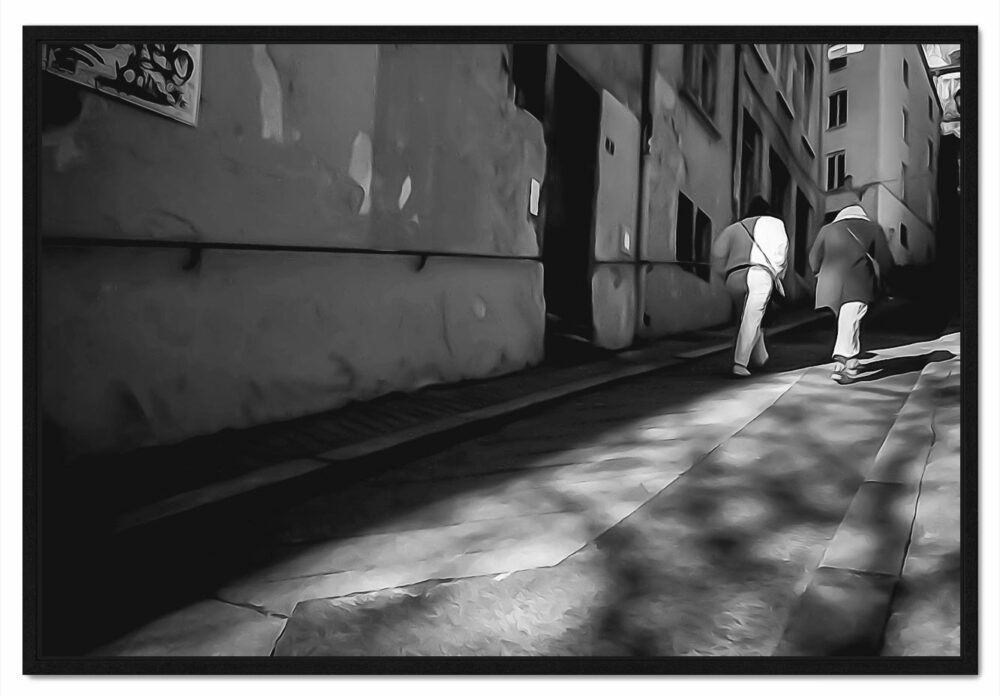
(391, 560)
(585, 499)
(875, 542)
(205, 629)
(549, 611)
(925, 619)
(841, 613)
(873, 536)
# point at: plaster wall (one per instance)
(303, 153)
(891, 213)
(140, 348)
(859, 138)
(690, 153)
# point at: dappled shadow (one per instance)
(709, 566)
(713, 565)
(926, 614)
(147, 572)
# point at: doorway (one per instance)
(572, 131)
(750, 162)
(780, 181)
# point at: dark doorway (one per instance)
(528, 73)
(780, 180)
(572, 132)
(750, 162)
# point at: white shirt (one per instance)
(772, 244)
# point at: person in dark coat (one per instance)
(849, 257)
(749, 255)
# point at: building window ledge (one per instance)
(785, 106)
(810, 150)
(700, 112)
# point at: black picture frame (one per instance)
(968, 663)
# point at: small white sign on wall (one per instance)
(536, 189)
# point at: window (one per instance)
(906, 126)
(809, 78)
(684, 233)
(701, 71)
(835, 170)
(751, 161)
(528, 75)
(930, 108)
(906, 73)
(930, 154)
(902, 182)
(803, 221)
(904, 236)
(838, 109)
(838, 64)
(693, 238)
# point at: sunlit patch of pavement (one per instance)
(709, 566)
(677, 515)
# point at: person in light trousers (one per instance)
(849, 257)
(750, 256)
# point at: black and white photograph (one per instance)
(501, 350)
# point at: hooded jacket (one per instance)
(840, 259)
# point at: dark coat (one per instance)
(732, 247)
(844, 271)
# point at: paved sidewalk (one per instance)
(845, 607)
(680, 514)
(925, 618)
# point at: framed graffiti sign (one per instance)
(161, 77)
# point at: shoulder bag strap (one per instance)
(770, 266)
(878, 272)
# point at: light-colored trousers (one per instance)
(750, 336)
(849, 318)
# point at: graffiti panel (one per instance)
(165, 78)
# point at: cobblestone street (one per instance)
(676, 513)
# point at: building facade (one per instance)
(779, 92)
(347, 221)
(881, 144)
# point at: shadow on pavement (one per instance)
(96, 588)
(889, 367)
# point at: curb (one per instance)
(844, 608)
(635, 362)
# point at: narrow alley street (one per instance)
(679, 513)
